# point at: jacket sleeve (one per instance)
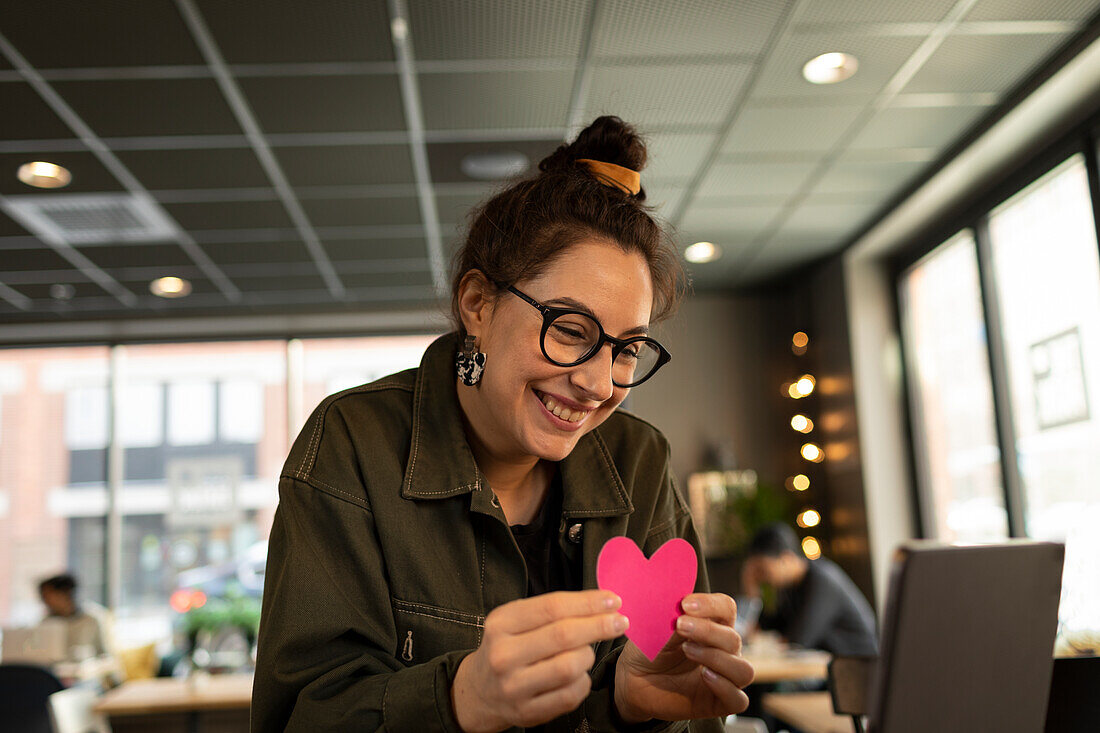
(326, 654)
(671, 519)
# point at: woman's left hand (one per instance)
(698, 674)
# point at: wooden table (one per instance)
(172, 704)
(774, 665)
(812, 712)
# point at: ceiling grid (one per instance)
(281, 136)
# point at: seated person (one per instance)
(83, 623)
(818, 606)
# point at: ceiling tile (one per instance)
(261, 31)
(27, 117)
(675, 155)
(664, 194)
(787, 129)
(783, 254)
(243, 253)
(39, 258)
(229, 215)
(89, 175)
(56, 34)
(136, 255)
(666, 94)
(355, 212)
(214, 168)
(917, 127)
(879, 59)
(832, 221)
(736, 179)
(491, 29)
(1030, 10)
(495, 99)
(387, 279)
(82, 288)
(138, 107)
(453, 210)
(970, 63)
(742, 221)
(879, 178)
(368, 249)
(325, 103)
(445, 159)
(880, 11)
(306, 280)
(346, 165)
(684, 27)
(8, 227)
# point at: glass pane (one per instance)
(335, 364)
(198, 501)
(951, 394)
(53, 501)
(1048, 278)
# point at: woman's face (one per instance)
(513, 407)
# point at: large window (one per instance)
(1041, 293)
(952, 396)
(1047, 270)
(201, 431)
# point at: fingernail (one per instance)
(691, 605)
(611, 602)
(692, 648)
(709, 673)
(621, 622)
(685, 624)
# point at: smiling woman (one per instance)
(432, 564)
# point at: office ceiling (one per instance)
(292, 157)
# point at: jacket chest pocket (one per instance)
(425, 631)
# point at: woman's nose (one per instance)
(594, 375)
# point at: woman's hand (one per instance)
(697, 675)
(533, 662)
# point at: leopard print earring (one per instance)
(470, 363)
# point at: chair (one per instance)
(71, 712)
(849, 684)
(24, 694)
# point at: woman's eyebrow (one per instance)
(579, 306)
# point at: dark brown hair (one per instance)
(519, 231)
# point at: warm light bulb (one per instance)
(805, 385)
(41, 174)
(800, 339)
(830, 68)
(801, 482)
(170, 287)
(812, 453)
(701, 252)
(802, 424)
(809, 518)
(811, 547)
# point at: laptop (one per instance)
(44, 645)
(968, 639)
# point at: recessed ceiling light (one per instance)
(41, 174)
(62, 291)
(829, 68)
(701, 252)
(170, 287)
(495, 166)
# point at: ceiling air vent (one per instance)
(91, 218)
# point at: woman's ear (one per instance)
(475, 302)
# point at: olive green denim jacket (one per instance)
(388, 549)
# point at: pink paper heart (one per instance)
(651, 589)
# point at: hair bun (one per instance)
(608, 139)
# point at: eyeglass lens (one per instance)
(572, 337)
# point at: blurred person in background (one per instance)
(817, 604)
(86, 624)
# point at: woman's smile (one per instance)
(562, 413)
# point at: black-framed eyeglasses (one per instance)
(571, 337)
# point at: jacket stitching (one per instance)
(478, 619)
(455, 490)
(665, 526)
(441, 618)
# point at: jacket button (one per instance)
(575, 533)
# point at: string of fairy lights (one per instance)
(798, 390)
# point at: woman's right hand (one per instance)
(534, 658)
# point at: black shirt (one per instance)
(825, 611)
(547, 567)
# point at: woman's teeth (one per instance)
(563, 412)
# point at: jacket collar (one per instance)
(441, 464)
